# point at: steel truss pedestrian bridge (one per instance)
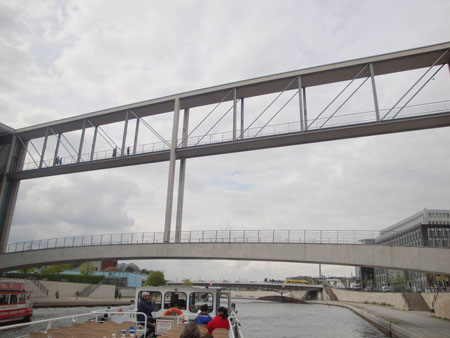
(62, 147)
(341, 247)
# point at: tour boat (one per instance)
(14, 302)
(123, 321)
(177, 305)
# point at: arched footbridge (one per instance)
(230, 245)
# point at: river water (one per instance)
(260, 319)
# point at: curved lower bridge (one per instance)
(426, 259)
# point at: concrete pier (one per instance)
(398, 323)
(80, 301)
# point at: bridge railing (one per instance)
(360, 237)
(269, 130)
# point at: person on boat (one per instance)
(190, 330)
(220, 321)
(203, 317)
(146, 306)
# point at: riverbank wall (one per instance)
(48, 289)
(396, 300)
(80, 301)
(393, 299)
(259, 294)
(441, 303)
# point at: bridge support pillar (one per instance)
(305, 119)
(44, 146)
(80, 148)
(124, 136)
(179, 221)
(170, 185)
(374, 91)
(94, 141)
(242, 118)
(234, 113)
(58, 142)
(136, 135)
(300, 103)
(9, 189)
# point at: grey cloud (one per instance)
(83, 205)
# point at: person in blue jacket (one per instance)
(203, 317)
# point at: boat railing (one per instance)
(45, 324)
(235, 323)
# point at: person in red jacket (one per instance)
(220, 321)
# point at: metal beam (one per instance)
(242, 118)
(300, 103)
(7, 168)
(374, 91)
(314, 76)
(11, 194)
(56, 157)
(136, 135)
(124, 138)
(44, 146)
(234, 113)
(170, 184)
(94, 141)
(181, 181)
(80, 148)
(304, 109)
(281, 140)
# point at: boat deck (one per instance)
(89, 329)
(176, 331)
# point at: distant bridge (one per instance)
(228, 245)
(257, 286)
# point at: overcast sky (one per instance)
(64, 58)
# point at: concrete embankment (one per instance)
(259, 294)
(43, 288)
(74, 302)
(398, 323)
(439, 302)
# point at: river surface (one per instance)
(260, 319)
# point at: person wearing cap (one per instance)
(220, 321)
(146, 306)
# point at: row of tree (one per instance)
(155, 278)
(86, 269)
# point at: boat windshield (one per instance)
(175, 299)
(197, 299)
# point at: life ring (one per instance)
(174, 311)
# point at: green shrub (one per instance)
(88, 279)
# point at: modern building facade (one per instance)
(429, 227)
